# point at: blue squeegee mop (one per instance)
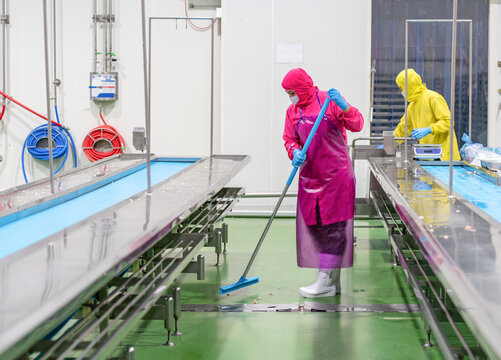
(243, 281)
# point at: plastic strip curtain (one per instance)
(429, 55)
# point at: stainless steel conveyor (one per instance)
(42, 284)
(461, 246)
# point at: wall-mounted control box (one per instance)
(104, 86)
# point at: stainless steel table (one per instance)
(461, 243)
(42, 284)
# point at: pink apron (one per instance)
(326, 197)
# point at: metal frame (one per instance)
(107, 18)
(454, 21)
(121, 311)
(116, 314)
(457, 282)
(4, 21)
(371, 97)
(150, 21)
(47, 95)
(147, 80)
(148, 219)
(399, 242)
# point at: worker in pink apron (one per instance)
(326, 192)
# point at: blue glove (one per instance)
(299, 158)
(335, 96)
(418, 134)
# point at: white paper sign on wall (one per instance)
(289, 53)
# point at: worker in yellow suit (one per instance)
(428, 116)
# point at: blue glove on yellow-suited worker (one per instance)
(418, 134)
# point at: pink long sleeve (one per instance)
(291, 139)
(352, 120)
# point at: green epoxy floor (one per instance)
(372, 280)
(291, 335)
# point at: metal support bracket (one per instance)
(185, 239)
(4, 19)
(196, 267)
(218, 238)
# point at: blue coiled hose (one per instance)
(60, 137)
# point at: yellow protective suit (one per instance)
(426, 108)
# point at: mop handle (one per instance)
(289, 181)
(310, 138)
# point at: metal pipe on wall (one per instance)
(105, 37)
(453, 93)
(211, 92)
(94, 9)
(470, 80)
(406, 85)
(371, 97)
(55, 81)
(4, 52)
(146, 95)
(47, 90)
(110, 34)
(148, 129)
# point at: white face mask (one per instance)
(294, 99)
(403, 93)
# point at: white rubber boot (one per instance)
(328, 284)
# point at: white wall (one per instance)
(494, 138)
(336, 41)
(185, 91)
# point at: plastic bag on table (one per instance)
(474, 153)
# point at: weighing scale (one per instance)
(427, 151)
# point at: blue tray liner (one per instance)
(479, 191)
(29, 230)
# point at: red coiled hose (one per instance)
(102, 133)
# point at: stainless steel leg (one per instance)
(218, 236)
(129, 353)
(225, 236)
(391, 230)
(168, 320)
(101, 296)
(201, 267)
(177, 310)
(428, 343)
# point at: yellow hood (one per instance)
(415, 86)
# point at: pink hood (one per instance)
(302, 84)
